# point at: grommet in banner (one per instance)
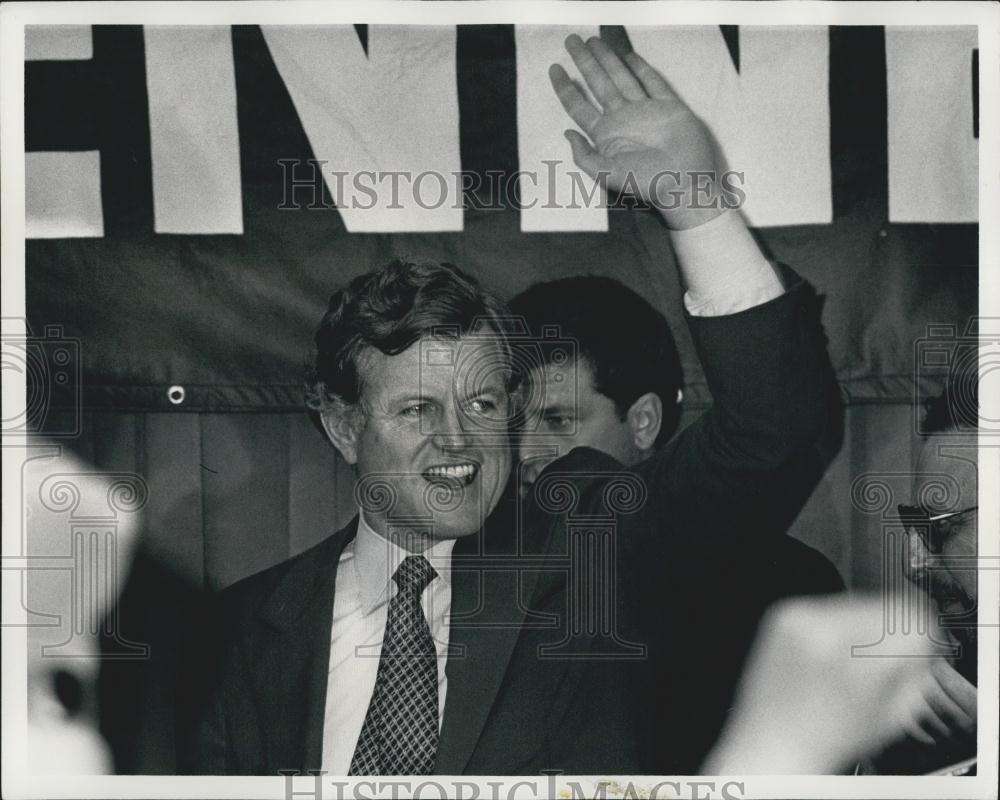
(176, 395)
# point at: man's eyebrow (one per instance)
(497, 389)
(415, 397)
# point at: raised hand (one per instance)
(643, 138)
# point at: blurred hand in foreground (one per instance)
(806, 705)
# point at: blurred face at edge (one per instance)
(942, 555)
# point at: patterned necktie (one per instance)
(400, 734)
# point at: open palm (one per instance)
(642, 132)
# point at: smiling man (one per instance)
(433, 634)
(397, 389)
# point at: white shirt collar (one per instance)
(376, 560)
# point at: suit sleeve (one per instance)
(774, 396)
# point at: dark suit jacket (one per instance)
(559, 619)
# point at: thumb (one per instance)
(586, 157)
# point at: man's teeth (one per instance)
(458, 471)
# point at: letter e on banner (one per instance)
(62, 190)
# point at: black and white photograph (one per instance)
(500, 400)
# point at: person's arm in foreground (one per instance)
(809, 704)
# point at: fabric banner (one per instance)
(194, 194)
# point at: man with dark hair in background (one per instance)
(621, 393)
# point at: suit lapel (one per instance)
(289, 653)
(485, 624)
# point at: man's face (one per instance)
(946, 562)
(569, 413)
(430, 444)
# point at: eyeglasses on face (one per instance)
(935, 528)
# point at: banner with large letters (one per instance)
(194, 194)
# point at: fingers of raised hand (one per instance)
(579, 108)
(598, 80)
(620, 74)
(652, 82)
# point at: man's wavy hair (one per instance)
(626, 342)
(390, 309)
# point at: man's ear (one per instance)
(645, 417)
(341, 423)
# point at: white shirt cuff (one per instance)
(723, 268)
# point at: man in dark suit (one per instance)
(621, 393)
(434, 634)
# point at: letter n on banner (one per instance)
(771, 118)
(387, 122)
(933, 150)
(556, 195)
